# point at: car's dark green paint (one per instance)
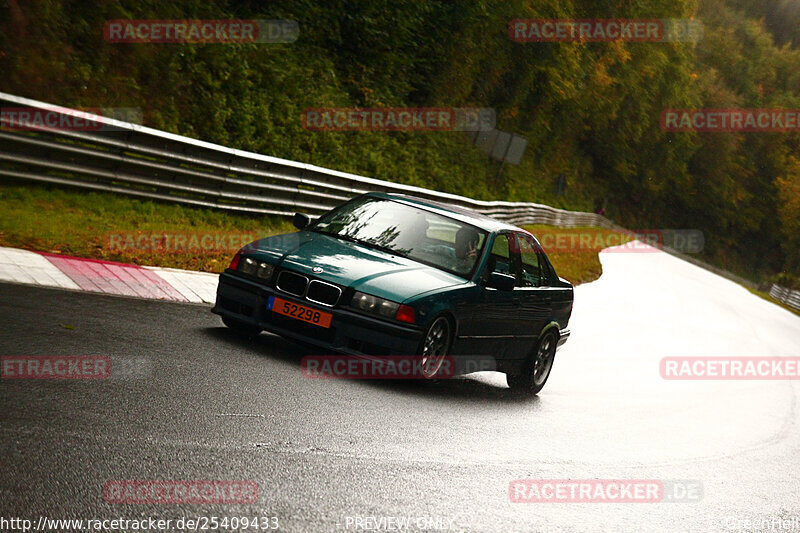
(504, 324)
(353, 265)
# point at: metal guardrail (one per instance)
(119, 157)
(786, 296)
(124, 158)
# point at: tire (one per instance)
(536, 368)
(435, 347)
(240, 328)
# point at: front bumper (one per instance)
(350, 332)
(563, 335)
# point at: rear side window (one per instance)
(532, 269)
(536, 271)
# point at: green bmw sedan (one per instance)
(392, 275)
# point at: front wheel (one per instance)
(536, 369)
(435, 347)
(241, 328)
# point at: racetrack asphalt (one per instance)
(189, 400)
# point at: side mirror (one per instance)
(301, 220)
(501, 282)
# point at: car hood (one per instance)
(350, 264)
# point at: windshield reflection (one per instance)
(406, 231)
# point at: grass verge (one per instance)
(574, 251)
(107, 226)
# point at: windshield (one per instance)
(406, 231)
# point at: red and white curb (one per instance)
(52, 270)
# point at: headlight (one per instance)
(373, 304)
(259, 269)
(264, 271)
(248, 266)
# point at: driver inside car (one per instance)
(466, 249)
(461, 256)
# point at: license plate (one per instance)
(300, 312)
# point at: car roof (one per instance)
(461, 214)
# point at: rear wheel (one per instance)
(536, 368)
(241, 328)
(435, 347)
